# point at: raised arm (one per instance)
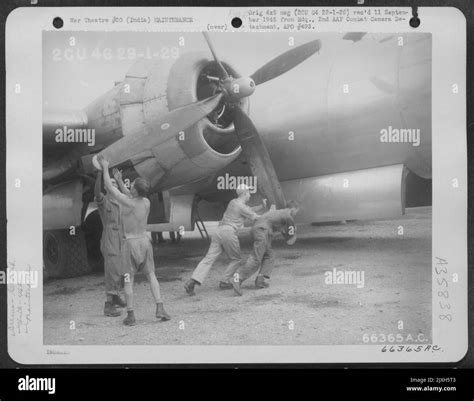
(114, 192)
(248, 213)
(260, 209)
(118, 177)
(97, 187)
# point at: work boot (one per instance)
(110, 310)
(236, 285)
(116, 300)
(189, 286)
(225, 286)
(161, 313)
(130, 319)
(260, 282)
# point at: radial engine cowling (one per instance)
(152, 89)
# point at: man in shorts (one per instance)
(263, 230)
(137, 250)
(225, 239)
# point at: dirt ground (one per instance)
(397, 272)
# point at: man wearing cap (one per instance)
(225, 239)
(263, 230)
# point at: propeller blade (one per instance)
(211, 48)
(157, 130)
(285, 62)
(257, 156)
(354, 36)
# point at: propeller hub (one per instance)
(238, 88)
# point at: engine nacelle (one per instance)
(356, 195)
(152, 89)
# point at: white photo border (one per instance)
(24, 28)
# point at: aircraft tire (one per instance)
(92, 228)
(65, 255)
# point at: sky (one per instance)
(76, 75)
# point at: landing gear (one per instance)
(92, 227)
(65, 255)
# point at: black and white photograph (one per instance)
(272, 196)
(237, 189)
(236, 185)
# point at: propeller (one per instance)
(285, 62)
(253, 147)
(228, 91)
(211, 48)
(257, 156)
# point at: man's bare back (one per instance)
(135, 217)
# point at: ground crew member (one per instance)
(157, 237)
(110, 246)
(121, 185)
(260, 259)
(175, 236)
(225, 239)
(137, 251)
